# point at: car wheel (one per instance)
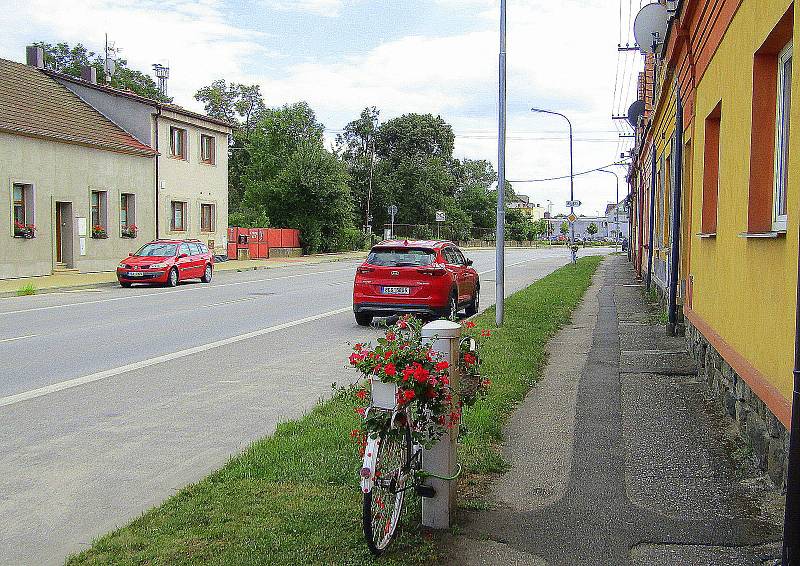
(124, 284)
(474, 306)
(452, 308)
(363, 318)
(207, 274)
(172, 279)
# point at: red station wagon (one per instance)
(167, 261)
(428, 278)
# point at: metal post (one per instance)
(441, 458)
(369, 192)
(675, 251)
(501, 177)
(652, 215)
(571, 179)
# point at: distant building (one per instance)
(522, 203)
(617, 220)
(581, 226)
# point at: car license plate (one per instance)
(396, 291)
(135, 274)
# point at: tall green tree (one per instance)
(296, 182)
(69, 60)
(241, 105)
(592, 229)
(356, 147)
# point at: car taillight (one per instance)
(434, 270)
(365, 270)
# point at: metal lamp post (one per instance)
(571, 177)
(501, 176)
(616, 206)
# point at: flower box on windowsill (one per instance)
(24, 231)
(99, 233)
(129, 231)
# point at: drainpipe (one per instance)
(158, 155)
(791, 523)
(652, 214)
(675, 252)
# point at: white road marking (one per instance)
(78, 381)
(19, 338)
(518, 263)
(181, 290)
(232, 301)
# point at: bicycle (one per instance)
(392, 463)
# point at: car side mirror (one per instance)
(130, 254)
(469, 261)
(183, 256)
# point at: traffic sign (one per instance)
(440, 216)
(573, 203)
(572, 218)
(392, 209)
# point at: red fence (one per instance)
(258, 241)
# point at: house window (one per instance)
(711, 155)
(207, 218)
(98, 214)
(127, 215)
(177, 142)
(22, 210)
(207, 149)
(784, 105)
(178, 222)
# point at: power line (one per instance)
(566, 176)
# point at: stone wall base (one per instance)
(763, 432)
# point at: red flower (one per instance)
(358, 347)
(361, 411)
(361, 394)
(486, 332)
(421, 374)
(443, 365)
(469, 359)
(445, 380)
(408, 394)
(469, 324)
(388, 354)
(402, 324)
(408, 372)
(391, 336)
(355, 358)
(390, 370)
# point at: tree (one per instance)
(539, 229)
(592, 229)
(565, 227)
(70, 60)
(356, 147)
(239, 104)
(415, 136)
(296, 182)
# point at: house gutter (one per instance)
(675, 252)
(158, 155)
(791, 523)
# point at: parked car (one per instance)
(168, 262)
(428, 278)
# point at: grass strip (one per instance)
(293, 497)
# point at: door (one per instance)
(59, 232)
(186, 267)
(451, 256)
(198, 260)
(467, 276)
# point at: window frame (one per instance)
(102, 211)
(172, 224)
(212, 159)
(22, 203)
(184, 138)
(782, 133)
(212, 218)
(28, 207)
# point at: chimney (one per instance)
(34, 56)
(89, 73)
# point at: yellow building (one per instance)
(738, 242)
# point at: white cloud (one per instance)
(329, 8)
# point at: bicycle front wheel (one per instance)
(383, 504)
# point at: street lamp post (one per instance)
(616, 205)
(571, 179)
(500, 249)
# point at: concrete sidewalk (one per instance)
(619, 455)
(61, 281)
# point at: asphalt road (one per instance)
(112, 400)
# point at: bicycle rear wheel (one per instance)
(383, 504)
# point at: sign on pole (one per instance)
(392, 211)
(573, 203)
(440, 216)
(572, 217)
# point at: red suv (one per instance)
(167, 261)
(431, 279)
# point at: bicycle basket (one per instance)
(384, 395)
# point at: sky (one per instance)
(427, 56)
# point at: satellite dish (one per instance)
(650, 26)
(635, 112)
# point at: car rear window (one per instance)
(157, 250)
(398, 257)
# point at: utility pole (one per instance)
(501, 177)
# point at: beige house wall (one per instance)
(192, 181)
(61, 172)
